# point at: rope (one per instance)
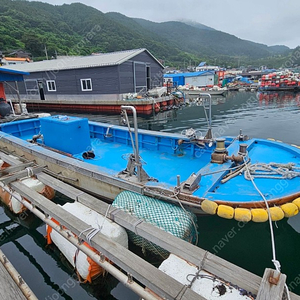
(222, 281)
(272, 171)
(202, 260)
(93, 231)
(105, 217)
(198, 271)
(29, 172)
(191, 218)
(181, 293)
(223, 170)
(136, 223)
(274, 260)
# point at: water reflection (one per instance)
(294, 222)
(278, 98)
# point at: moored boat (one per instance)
(234, 177)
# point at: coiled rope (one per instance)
(272, 171)
(274, 260)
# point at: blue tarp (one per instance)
(179, 78)
(243, 79)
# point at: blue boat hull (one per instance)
(172, 162)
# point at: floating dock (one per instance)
(142, 105)
(143, 278)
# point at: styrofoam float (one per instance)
(86, 267)
(205, 284)
(12, 198)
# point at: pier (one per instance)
(130, 269)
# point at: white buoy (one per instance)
(86, 268)
(205, 284)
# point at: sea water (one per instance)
(247, 245)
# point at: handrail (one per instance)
(209, 132)
(136, 148)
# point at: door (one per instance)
(139, 77)
(41, 89)
(148, 70)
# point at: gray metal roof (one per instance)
(79, 62)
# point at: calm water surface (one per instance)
(248, 245)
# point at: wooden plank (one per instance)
(12, 284)
(81, 174)
(60, 186)
(15, 168)
(21, 174)
(9, 159)
(9, 289)
(143, 271)
(211, 263)
(187, 251)
(274, 290)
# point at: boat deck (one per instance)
(111, 158)
(167, 157)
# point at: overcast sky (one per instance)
(271, 22)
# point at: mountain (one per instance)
(74, 29)
(196, 24)
(77, 29)
(197, 38)
(280, 49)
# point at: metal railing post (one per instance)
(136, 148)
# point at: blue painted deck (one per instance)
(165, 159)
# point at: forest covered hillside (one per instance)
(78, 29)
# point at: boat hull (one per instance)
(282, 88)
(165, 154)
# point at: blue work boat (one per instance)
(234, 177)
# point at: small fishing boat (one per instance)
(234, 177)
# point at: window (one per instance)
(86, 84)
(51, 86)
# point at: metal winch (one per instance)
(220, 155)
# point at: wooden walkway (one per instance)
(131, 264)
(12, 286)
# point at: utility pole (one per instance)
(46, 52)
